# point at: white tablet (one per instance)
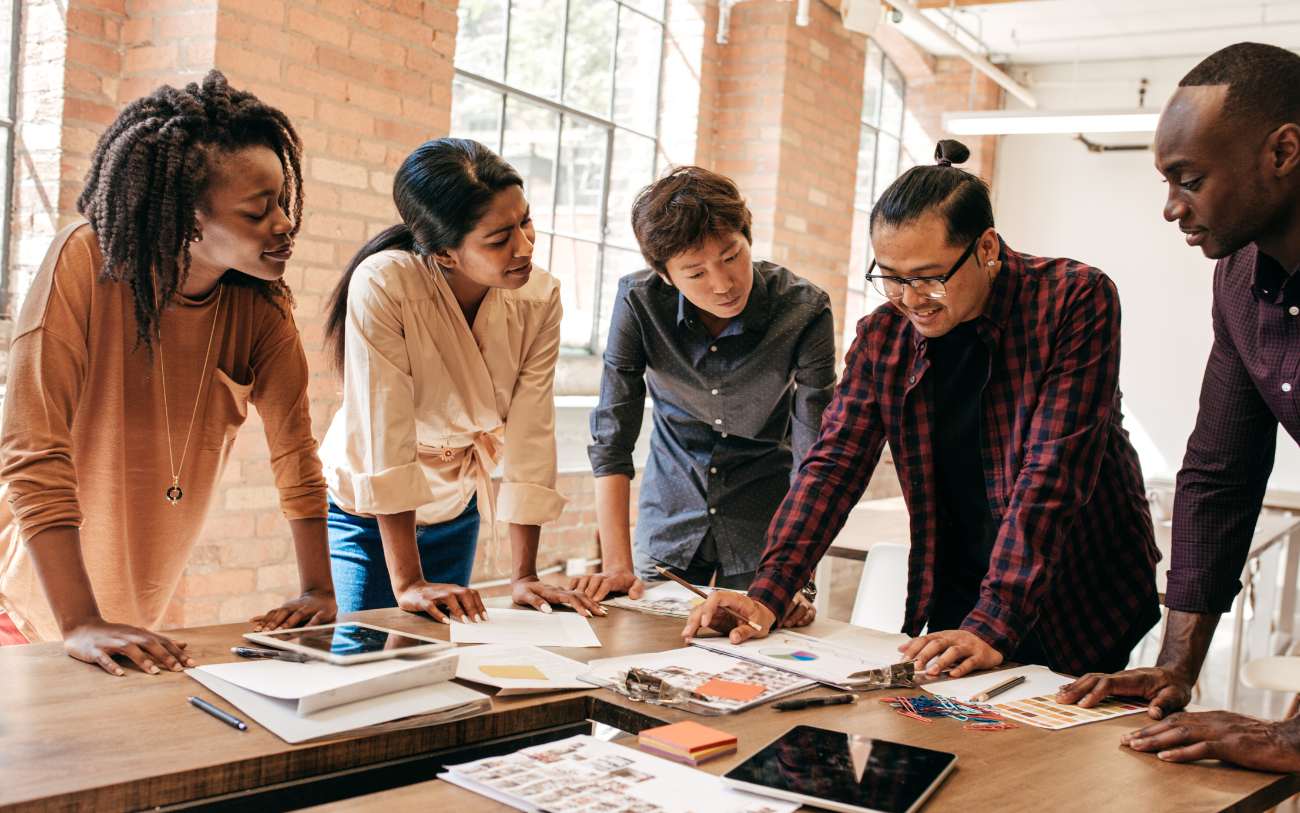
(844, 772)
(350, 642)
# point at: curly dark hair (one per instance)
(150, 172)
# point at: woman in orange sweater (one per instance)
(146, 333)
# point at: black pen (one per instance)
(811, 702)
(269, 654)
(229, 719)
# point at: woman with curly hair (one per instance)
(146, 333)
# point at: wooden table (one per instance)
(74, 738)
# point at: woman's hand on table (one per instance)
(443, 602)
(312, 607)
(98, 641)
(535, 593)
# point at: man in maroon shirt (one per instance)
(994, 378)
(1228, 144)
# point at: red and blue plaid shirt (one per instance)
(1075, 555)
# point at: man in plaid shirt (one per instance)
(1228, 145)
(994, 377)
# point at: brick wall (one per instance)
(365, 81)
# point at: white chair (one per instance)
(882, 591)
(1279, 673)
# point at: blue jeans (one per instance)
(357, 556)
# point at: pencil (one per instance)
(668, 574)
(993, 691)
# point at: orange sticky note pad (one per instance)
(730, 690)
(688, 737)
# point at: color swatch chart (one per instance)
(1044, 712)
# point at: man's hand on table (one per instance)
(801, 612)
(98, 641)
(596, 586)
(958, 651)
(711, 614)
(1244, 741)
(1165, 690)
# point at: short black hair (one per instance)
(960, 198)
(681, 210)
(1263, 81)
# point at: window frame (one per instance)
(564, 111)
(8, 122)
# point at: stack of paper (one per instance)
(1033, 702)
(666, 598)
(306, 701)
(833, 664)
(712, 683)
(519, 669)
(687, 742)
(526, 628)
(587, 774)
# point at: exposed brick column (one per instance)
(788, 112)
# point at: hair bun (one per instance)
(949, 152)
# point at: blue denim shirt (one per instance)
(733, 414)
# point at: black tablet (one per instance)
(845, 772)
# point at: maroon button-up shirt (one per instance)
(1252, 382)
(1075, 555)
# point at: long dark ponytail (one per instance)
(441, 190)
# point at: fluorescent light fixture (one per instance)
(1043, 122)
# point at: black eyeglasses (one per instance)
(892, 287)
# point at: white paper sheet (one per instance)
(804, 655)
(317, 685)
(691, 666)
(584, 773)
(1039, 680)
(560, 672)
(281, 718)
(527, 628)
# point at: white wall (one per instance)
(1055, 198)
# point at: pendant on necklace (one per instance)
(174, 493)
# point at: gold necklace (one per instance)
(174, 492)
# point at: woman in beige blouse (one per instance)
(447, 338)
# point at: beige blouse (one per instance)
(431, 405)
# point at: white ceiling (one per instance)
(1052, 31)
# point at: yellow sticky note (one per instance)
(515, 671)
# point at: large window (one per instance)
(8, 110)
(568, 92)
(881, 159)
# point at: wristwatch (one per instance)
(810, 591)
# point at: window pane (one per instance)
(891, 108)
(861, 255)
(542, 250)
(481, 40)
(588, 61)
(574, 263)
(536, 49)
(618, 263)
(655, 8)
(476, 113)
(871, 83)
(886, 165)
(632, 170)
(862, 198)
(636, 79)
(855, 307)
(532, 134)
(582, 171)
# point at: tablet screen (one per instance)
(845, 768)
(349, 639)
